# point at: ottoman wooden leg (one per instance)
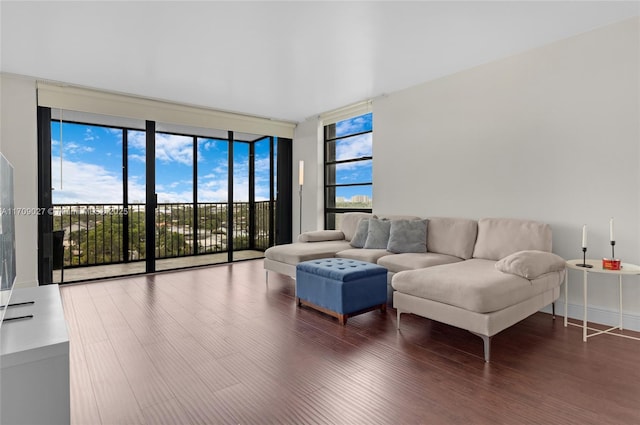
(298, 302)
(383, 308)
(342, 318)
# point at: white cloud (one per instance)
(88, 135)
(169, 147)
(262, 164)
(174, 196)
(89, 183)
(137, 140)
(172, 148)
(114, 131)
(70, 147)
(93, 183)
(353, 125)
(355, 147)
(216, 195)
(354, 172)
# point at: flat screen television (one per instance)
(7, 235)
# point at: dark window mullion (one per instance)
(125, 195)
(350, 184)
(271, 193)
(345, 136)
(151, 200)
(329, 176)
(230, 213)
(351, 160)
(252, 196)
(194, 215)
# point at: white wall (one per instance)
(18, 142)
(552, 134)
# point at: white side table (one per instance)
(627, 269)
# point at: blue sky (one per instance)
(87, 166)
(91, 165)
(354, 147)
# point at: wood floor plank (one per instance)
(219, 345)
(191, 390)
(89, 329)
(115, 398)
(144, 379)
(84, 407)
(169, 412)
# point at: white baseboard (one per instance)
(597, 315)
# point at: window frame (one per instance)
(330, 185)
(45, 156)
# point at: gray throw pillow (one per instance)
(360, 237)
(378, 234)
(408, 236)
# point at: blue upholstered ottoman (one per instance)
(341, 287)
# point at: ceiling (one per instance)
(282, 60)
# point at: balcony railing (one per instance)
(109, 234)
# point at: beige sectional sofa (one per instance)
(482, 276)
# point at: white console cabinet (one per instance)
(34, 362)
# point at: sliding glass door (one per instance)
(175, 194)
(212, 188)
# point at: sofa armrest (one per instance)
(531, 264)
(321, 235)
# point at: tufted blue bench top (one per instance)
(340, 269)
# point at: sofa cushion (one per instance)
(296, 252)
(360, 237)
(531, 264)
(378, 234)
(321, 235)
(349, 223)
(499, 237)
(368, 255)
(473, 285)
(408, 236)
(411, 261)
(452, 236)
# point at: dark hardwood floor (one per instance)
(216, 345)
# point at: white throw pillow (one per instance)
(531, 264)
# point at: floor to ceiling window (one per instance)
(212, 194)
(134, 199)
(214, 190)
(174, 192)
(265, 189)
(348, 168)
(87, 192)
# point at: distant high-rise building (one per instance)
(360, 199)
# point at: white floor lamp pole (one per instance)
(301, 183)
